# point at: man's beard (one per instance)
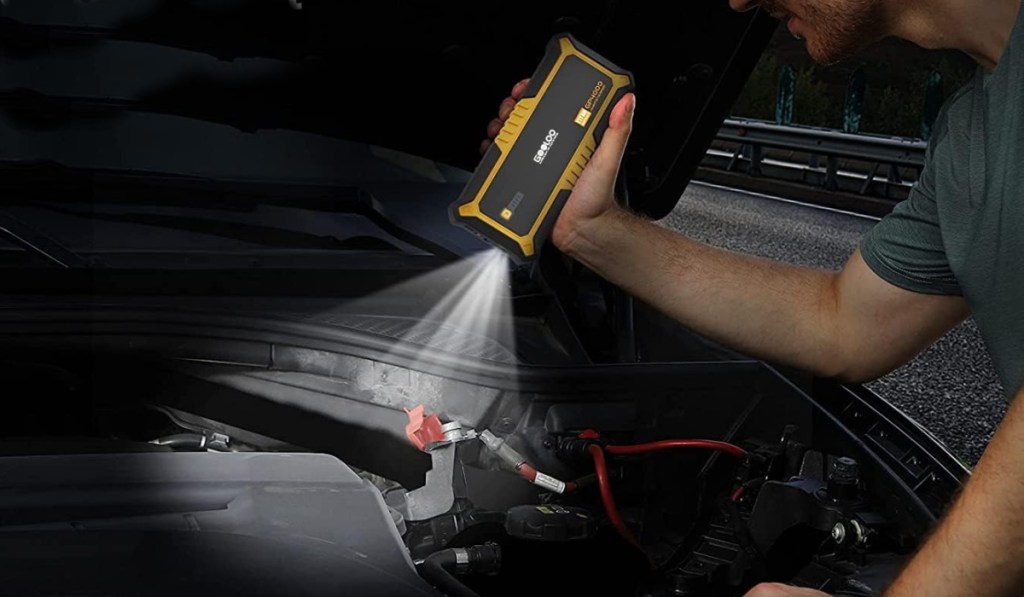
(837, 28)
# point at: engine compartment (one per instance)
(684, 516)
(804, 495)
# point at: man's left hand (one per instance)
(777, 590)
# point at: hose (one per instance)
(440, 568)
(435, 570)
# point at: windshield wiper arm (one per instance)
(251, 233)
(41, 181)
(36, 242)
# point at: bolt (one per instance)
(548, 443)
(843, 478)
(838, 532)
(846, 469)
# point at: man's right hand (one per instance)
(593, 198)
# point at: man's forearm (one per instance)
(978, 550)
(772, 310)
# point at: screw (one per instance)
(548, 443)
(838, 532)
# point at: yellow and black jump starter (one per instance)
(526, 176)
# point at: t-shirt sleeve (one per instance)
(906, 249)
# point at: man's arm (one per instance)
(978, 549)
(852, 324)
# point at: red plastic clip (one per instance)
(589, 434)
(423, 429)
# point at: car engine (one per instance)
(672, 516)
(610, 489)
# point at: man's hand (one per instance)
(504, 111)
(593, 197)
(777, 590)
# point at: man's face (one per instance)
(833, 29)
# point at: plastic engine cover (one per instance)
(197, 524)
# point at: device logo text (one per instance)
(545, 147)
(595, 95)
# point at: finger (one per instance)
(608, 156)
(519, 88)
(507, 105)
(484, 146)
(781, 590)
(494, 127)
(767, 590)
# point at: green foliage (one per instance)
(814, 104)
(894, 100)
(759, 94)
(895, 111)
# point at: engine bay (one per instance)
(689, 479)
(666, 517)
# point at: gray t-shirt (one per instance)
(961, 231)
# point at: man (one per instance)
(955, 247)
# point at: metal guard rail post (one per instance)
(834, 145)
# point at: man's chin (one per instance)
(828, 49)
(825, 55)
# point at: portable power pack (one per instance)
(524, 179)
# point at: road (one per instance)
(951, 388)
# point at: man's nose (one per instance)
(743, 5)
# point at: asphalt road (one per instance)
(951, 388)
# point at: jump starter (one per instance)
(525, 177)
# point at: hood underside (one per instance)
(424, 78)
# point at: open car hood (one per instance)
(420, 78)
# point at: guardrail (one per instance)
(869, 148)
(822, 159)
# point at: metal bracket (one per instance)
(437, 496)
